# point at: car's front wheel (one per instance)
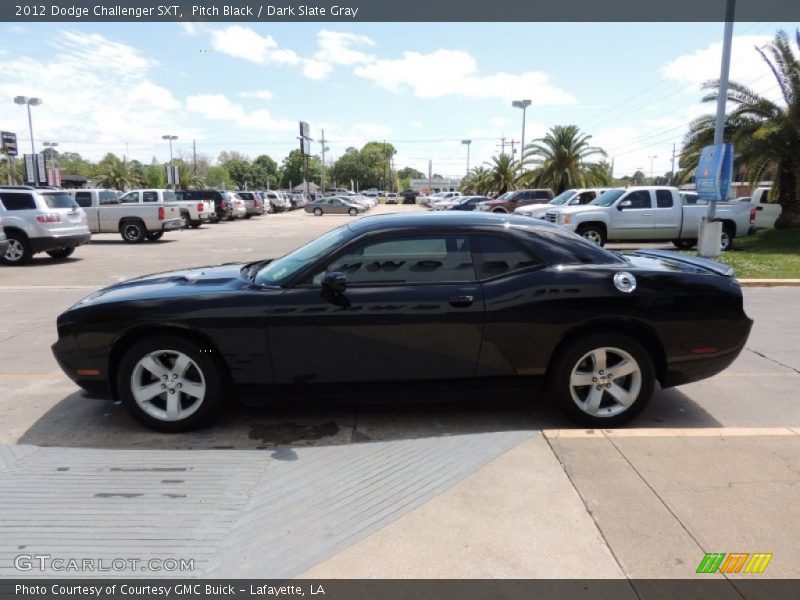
(170, 383)
(353, 212)
(318, 212)
(603, 380)
(592, 233)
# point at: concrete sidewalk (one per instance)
(631, 503)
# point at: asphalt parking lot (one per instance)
(754, 402)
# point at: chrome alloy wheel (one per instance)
(15, 250)
(593, 236)
(605, 382)
(168, 385)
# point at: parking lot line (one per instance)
(31, 376)
(672, 432)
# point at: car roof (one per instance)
(427, 221)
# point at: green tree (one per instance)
(241, 172)
(560, 160)
(503, 173)
(410, 173)
(112, 173)
(351, 166)
(478, 181)
(264, 172)
(218, 177)
(291, 171)
(766, 134)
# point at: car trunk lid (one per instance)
(688, 261)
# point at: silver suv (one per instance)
(40, 220)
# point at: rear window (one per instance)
(169, 196)
(59, 200)
(663, 199)
(497, 256)
(83, 199)
(17, 201)
(150, 197)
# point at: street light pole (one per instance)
(467, 143)
(523, 104)
(172, 173)
(652, 157)
(30, 102)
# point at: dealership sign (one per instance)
(714, 172)
(9, 142)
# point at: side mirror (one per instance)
(335, 281)
(624, 204)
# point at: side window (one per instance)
(429, 259)
(640, 199)
(149, 196)
(495, 255)
(108, 198)
(663, 199)
(586, 197)
(541, 195)
(130, 198)
(17, 201)
(84, 199)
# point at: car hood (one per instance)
(202, 280)
(574, 209)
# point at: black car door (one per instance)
(412, 310)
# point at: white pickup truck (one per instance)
(193, 212)
(648, 214)
(106, 214)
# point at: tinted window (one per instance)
(130, 197)
(108, 198)
(496, 255)
(84, 199)
(149, 196)
(59, 200)
(540, 194)
(429, 259)
(663, 199)
(639, 199)
(17, 201)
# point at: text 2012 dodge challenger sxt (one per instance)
(405, 299)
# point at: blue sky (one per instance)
(422, 87)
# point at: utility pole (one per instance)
(672, 172)
(194, 156)
(502, 145)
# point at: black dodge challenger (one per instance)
(405, 299)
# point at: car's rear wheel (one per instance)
(170, 383)
(19, 250)
(726, 239)
(353, 212)
(155, 235)
(603, 380)
(187, 220)
(133, 232)
(61, 253)
(318, 212)
(593, 233)
(248, 216)
(684, 244)
(196, 224)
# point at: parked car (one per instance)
(510, 201)
(238, 207)
(766, 212)
(195, 209)
(277, 203)
(409, 196)
(192, 212)
(252, 203)
(219, 208)
(468, 203)
(567, 198)
(650, 213)
(36, 220)
(607, 327)
(391, 198)
(429, 201)
(134, 221)
(446, 203)
(334, 206)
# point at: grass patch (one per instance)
(769, 254)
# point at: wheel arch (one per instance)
(125, 220)
(14, 229)
(599, 224)
(642, 333)
(729, 224)
(132, 336)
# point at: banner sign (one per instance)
(9, 142)
(30, 166)
(714, 172)
(172, 175)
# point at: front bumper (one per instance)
(3, 246)
(71, 358)
(43, 244)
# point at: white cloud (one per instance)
(747, 66)
(243, 42)
(498, 122)
(417, 124)
(219, 107)
(97, 95)
(314, 69)
(455, 72)
(261, 94)
(337, 47)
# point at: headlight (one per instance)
(564, 219)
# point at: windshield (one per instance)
(564, 197)
(59, 200)
(279, 270)
(608, 198)
(508, 196)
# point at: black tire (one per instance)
(19, 249)
(352, 212)
(500, 210)
(154, 236)
(593, 233)
(247, 216)
(726, 240)
(570, 357)
(207, 365)
(187, 220)
(61, 253)
(684, 244)
(196, 224)
(133, 232)
(318, 212)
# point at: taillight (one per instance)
(201, 207)
(161, 213)
(224, 204)
(752, 215)
(49, 218)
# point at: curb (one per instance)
(769, 282)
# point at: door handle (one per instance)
(461, 301)
(647, 214)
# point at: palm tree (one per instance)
(477, 181)
(766, 134)
(503, 173)
(561, 160)
(115, 174)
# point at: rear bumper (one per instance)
(172, 224)
(43, 244)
